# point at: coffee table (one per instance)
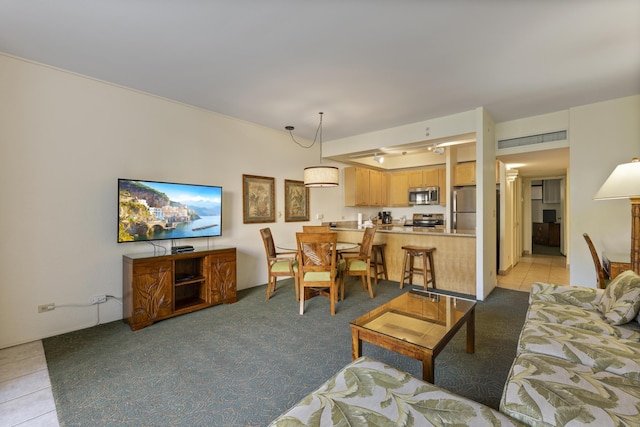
(417, 324)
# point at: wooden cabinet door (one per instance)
(375, 188)
(540, 233)
(415, 179)
(430, 178)
(398, 189)
(464, 174)
(151, 292)
(385, 189)
(362, 187)
(222, 276)
(554, 234)
(356, 186)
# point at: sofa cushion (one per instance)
(597, 351)
(368, 392)
(621, 300)
(577, 296)
(548, 391)
(577, 317)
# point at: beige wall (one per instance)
(65, 140)
(603, 135)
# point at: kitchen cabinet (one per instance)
(464, 174)
(551, 191)
(546, 233)
(399, 189)
(430, 178)
(554, 234)
(415, 179)
(364, 187)
(376, 188)
(540, 233)
(424, 178)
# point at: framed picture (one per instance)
(258, 199)
(296, 201)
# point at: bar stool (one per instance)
(427, 270)
(378, 263)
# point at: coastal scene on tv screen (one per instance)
(150, 210)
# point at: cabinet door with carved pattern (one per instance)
(152, 292)
(222, 277)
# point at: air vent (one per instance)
(560, 135)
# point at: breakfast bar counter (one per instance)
(454, 257)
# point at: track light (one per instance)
(378, 159)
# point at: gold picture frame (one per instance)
(258, 199)
(296, 201)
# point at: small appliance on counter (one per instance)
(427, 220)
(384, 217)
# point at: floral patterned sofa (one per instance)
(578, 360)
(369, 393)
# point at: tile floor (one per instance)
(26, 399)
(535, 268)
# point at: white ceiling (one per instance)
(367, 64)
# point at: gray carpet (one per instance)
(243, 364)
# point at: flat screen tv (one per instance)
(151, 210)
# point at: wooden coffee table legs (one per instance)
(426, 355)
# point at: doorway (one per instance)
(547, 214)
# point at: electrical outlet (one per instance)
(98, 299)
(46, 307)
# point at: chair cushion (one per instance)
(283, 266)
(357, 265)
(317, 276)
(621, 300)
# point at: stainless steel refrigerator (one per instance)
(464, 209)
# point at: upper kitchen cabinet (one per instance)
(464, 174)
(377, 186)
(399, 189)
(364, 187)
(551, 191)
(423, 178)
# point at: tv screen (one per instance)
(150, 210)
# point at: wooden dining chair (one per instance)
(359, 264)
(317, 267)
(601, 273)
(279, 264)
(315, 229)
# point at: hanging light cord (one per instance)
(318, 133)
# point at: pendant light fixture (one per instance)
(317, 176)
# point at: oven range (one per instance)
(427, 220)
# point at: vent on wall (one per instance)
(560, 135)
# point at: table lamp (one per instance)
(624, 183)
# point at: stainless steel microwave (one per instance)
(424, 196)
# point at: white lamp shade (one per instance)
(623, 183)
(321, 176)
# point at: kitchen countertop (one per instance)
(401, 229)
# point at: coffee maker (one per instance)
(386, 217)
